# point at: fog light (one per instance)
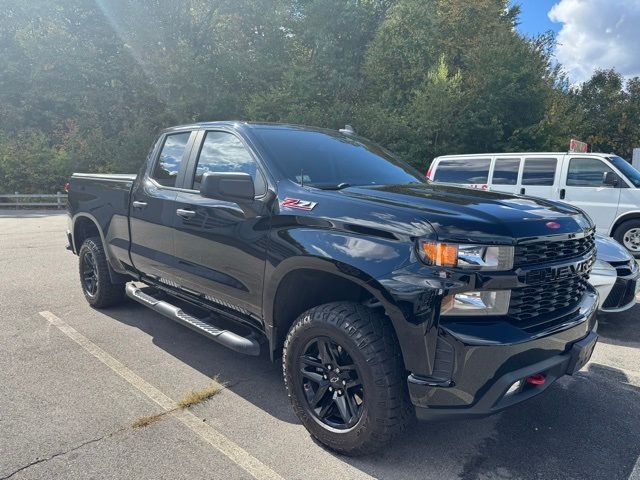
(490, 302)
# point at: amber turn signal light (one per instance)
(440, 254)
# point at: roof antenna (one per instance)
(348, 130)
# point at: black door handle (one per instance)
(137, 204)
(522, 191)
(563, 192)
(185, 213)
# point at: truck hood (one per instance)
(471, 215)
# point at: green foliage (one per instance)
(85, 86)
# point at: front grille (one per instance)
(537, 304)
(622, 294)
(552, 250)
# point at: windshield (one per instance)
(333, 160)
(627, 169)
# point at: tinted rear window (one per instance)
(465, 171)
(539, 171)
(320, 158)
(167, 167)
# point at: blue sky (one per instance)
(591, 34)
(534, 18)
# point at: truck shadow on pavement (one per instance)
(620, 328)
(586, 426)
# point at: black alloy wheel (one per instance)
(345, 377)
(89, 274)
(331, 384)
(95, 279)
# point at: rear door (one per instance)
(582, 186)
(468, 171)
(505, 174)
(152, 208)
(540, 175)
(221, 245)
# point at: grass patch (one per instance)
(198, 396)
(147, 420)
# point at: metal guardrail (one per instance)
(19, 200)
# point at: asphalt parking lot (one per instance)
(73, 381)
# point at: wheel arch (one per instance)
(85, 225)
(300, 283)
(634, 215)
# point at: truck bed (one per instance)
(104, 198)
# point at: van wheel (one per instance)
(345, 377)
(96, 283)
(628, 234)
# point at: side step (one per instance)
(246, 345)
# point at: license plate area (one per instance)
(581, 353)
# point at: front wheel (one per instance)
(628, 234)
(95, 280)
(345, 377)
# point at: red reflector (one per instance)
(535, 379)
(66, 187)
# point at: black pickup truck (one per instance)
(384, 294)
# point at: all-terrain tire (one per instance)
(370, 341)
(105, 293)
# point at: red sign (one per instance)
(577, 146)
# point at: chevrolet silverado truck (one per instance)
(385, 296)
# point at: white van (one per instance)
(603, 185)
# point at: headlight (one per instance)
(473, 257)
(494, 302)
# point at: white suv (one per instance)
(603, 185)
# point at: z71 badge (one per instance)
(297, 203)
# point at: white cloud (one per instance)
(598, 34)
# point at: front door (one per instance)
(152, 208)
(583, 187)
(221, 245)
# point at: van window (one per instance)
(627, 169)
(505, 171)
(466, 171)
(539, 171)
(586, 172)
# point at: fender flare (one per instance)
(116, 277)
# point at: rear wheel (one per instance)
(628, 234)
(345, 377)
(96, 283)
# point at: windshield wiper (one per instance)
(329, 186)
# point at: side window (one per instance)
(465, 171)
(539, 171)
(166, 170)
(586, 172)
(224, 152)
(505, 171)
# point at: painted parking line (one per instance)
(197, 425)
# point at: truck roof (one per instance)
(241, 123)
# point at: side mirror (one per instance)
(610, 179)
(232, 186)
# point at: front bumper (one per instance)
(623, 294)
(485, 359)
